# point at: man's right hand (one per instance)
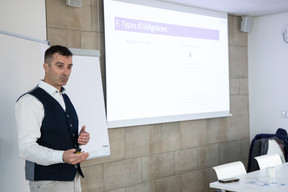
(73, 158)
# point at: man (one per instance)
(48, 129)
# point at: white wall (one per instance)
(26, 18)
(268, 74)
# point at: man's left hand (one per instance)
(84, 136)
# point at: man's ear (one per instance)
(45, 66)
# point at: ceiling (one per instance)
(250, 8)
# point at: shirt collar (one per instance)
(49, 88)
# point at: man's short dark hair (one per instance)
(64, 51)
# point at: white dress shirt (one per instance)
(29, 114)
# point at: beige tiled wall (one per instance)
(169, 157)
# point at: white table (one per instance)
(258, 181)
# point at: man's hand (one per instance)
(73, 158)
(84, 136)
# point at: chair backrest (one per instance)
(229, 170)
(269, 160)
(273, 147)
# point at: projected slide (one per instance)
(164, 65)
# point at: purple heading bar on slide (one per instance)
(141, 26)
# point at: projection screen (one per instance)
(164, 63)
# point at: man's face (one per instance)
(58, 72)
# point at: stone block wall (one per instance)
(168, 157)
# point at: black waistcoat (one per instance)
(59, 131)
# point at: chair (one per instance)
(274, 147)
(269, 160)
(264, 143)
(229, 170)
